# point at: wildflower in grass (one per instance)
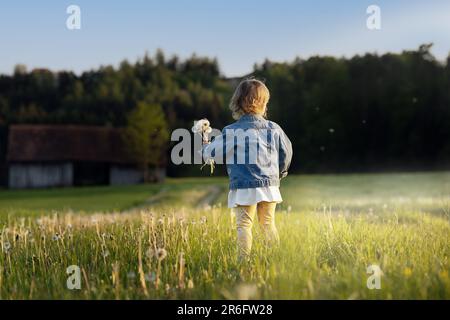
(203, 220)
(161, 254)
(56, 237)
(6, 246)
(150, 253)
(105, 253)
(150, 277)
(246, 291)
(190, 284)
(167, 288)
(407, 272)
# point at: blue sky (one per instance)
(238, 33)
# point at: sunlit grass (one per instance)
(326, 246)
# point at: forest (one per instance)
(365, 113)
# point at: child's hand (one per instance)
(202, 127)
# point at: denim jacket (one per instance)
(256, 151)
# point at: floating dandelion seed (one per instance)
(161, 254)
(322, 148)
(331, 130)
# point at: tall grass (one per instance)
(331, 228)
(321, 256)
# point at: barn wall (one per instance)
(40, 175)
(119, 175)
(129, 175)
(159, 174)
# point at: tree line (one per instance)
(370, 112)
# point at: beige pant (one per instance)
(244, 220)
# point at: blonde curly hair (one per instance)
(250, 97)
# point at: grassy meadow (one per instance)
(178, 240)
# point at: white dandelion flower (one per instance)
(161, 254)
(6, 246)
(246, 291)
(150, 253)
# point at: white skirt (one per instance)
(250, 196)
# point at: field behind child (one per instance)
(177, 240)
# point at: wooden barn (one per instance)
(40, 156)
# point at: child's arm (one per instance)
(284, 154)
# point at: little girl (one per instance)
(257, 154)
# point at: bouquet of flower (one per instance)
(203, 128)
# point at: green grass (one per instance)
(94, 199)
(332, 227)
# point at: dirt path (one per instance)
(211, 196)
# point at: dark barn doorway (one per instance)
(90, 173)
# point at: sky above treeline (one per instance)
(238, 33)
